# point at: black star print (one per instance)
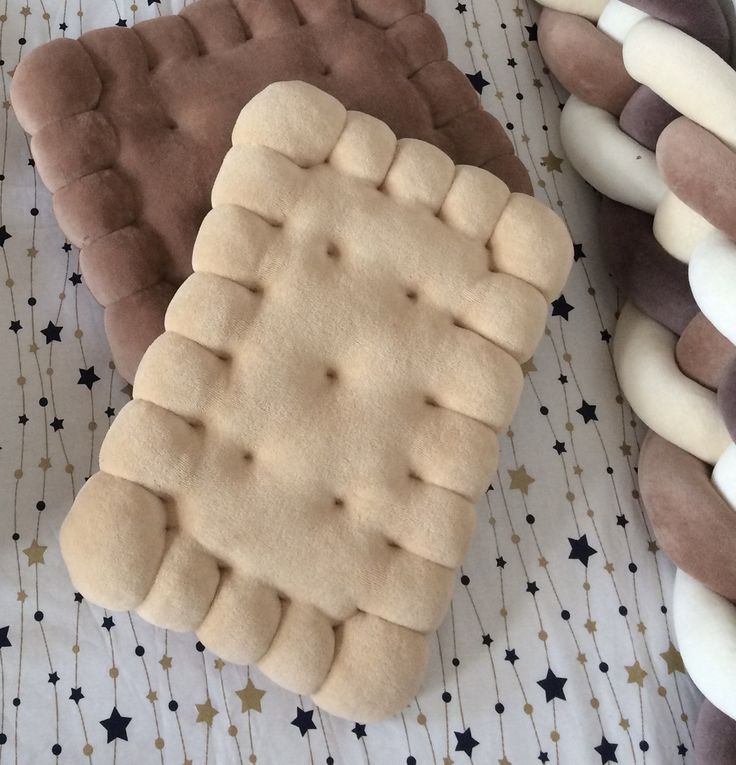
(487, 639)
(531, 588)
(63, 26)
(581, 550)
(303, 721)
(587, 411)
(151, 2)
(121, 23)
(77, 695)
(4, 236)
(682, 750)
(478, 81)
(87, 377)
(78, 597)
(543, 757)
(465, 742)
(511, 656)
(578, 252)
(22, 420)
(605, 335)
(532, 31)
(15, 326)
(359, 730)
(66, 247)
(552, 686)
(607, 751)
(561, 307)
(563, 379)
(4, 642)
(511, 62)
(110, 412)
(52, 333)
(75, 278)
(57, 424)
(461, 8)
(559, 447)
(116, 726)
(53, 678)
(621, 521)
(500, 562)
(108, 623)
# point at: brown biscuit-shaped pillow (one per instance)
(295, 478)
(694, 524)
(130, 126)
(703, 353)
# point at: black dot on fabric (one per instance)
(545, 69)
(173, 706)
(330, 761)
(520, 96)
(2, 175)
(565, 614)
(663, 609)
(43, 401)
(503, 26)
(139, 650)
(16, 702)
(3, 739)
(633, 568)
(623, 610)
(446, 697)
(2, 62)
(609, 470)
(411, 760)
(465, 579)
(21, 41)
(34, 211)
(543, 410)
(644, 746)
(31, 301)
(603, 667)
(545, 128)
(16, 536)
(56, 749)
(38, 616)
(499, 708)
(40, 505)
(530, 519)
(199, 646)
(456, 662)
(509, 126)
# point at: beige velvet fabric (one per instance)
(296, 475)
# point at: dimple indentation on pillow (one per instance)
(295, 477)
(130, 126)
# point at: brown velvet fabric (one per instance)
(130, 126)
(655, 282)
(701, 171)
(727, 398)
(645, 116)
(703, 353)
(584, 60)
(715, 737)
(694, 525)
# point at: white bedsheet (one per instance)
(613, 680)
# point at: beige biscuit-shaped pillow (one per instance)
(296, 475)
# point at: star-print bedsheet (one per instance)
(558, 647)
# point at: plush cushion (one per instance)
(715, 736)
(295, 477)
(130, 126)
(704, 354)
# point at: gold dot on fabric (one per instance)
(555, 736)
(50, 372)
(232, 731)
(92, 425)
(21, 380)
(18, 473)
(586, 586)
(45, 17)
(591, 290)
(510, 433)
(78, 333)
(111, 365)
(9, 282)
(421, 719)
(62, 295)
(468, 44)
(662, 691)
(69, 469)
(543, 635)
(541, 184)
(569, 427)
(590, 513)
(594, 703)
(567, 357)
(528, 709)
(635, 494)
(684, 717)
(504, 612)
(87, 750)
(80, 13)
(515, 538)
(75, 648)
(492, 521)
(134, 7)
(570, 497)
(159, 743)
(114, 672)
(252, 758)
(619, 399)
(3, 17)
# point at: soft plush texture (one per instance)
(704, 354)
(715, 736)
(131, 148)
(712, 275)
(296, 475)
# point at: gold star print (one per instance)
(32, 252)
(219, 664)
(624, 723)
(528, 366)
(6, 105)
(543, 562)
(447, 761)
(22, 596)
(32, 347)
(577, 470)
(25, 11)
(152, 696)
(499, 95)
(524, 138)
(35, 553)
(625, 449)
(641, 627)
(45, 463)
(165, 661)
(582, 658)
(503, 761)
(673, 660)
(520, 479)
(652, 546)
(206, 712)
(609, 567)
(187, 762)
(476, 25)
(636, 674)
(590, 625)
(552, 163)
(518, 11)
(250, 697)
(537, 83)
